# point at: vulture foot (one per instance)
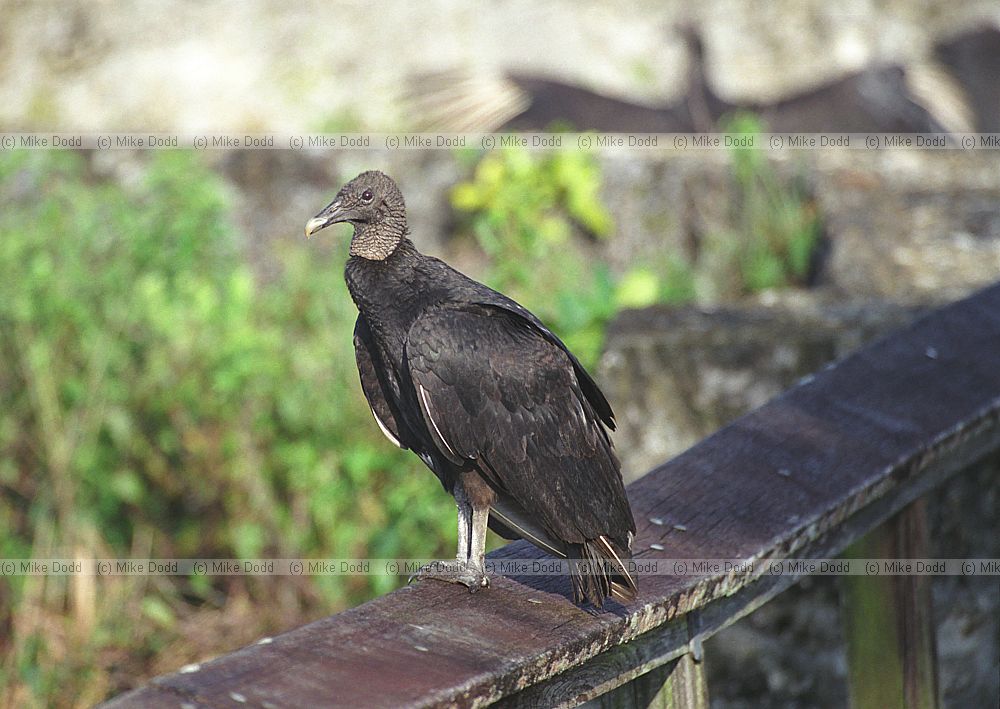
(467, 573)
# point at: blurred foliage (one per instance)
(524, 210)
(156, 402)
(778, 226)
(346, 120)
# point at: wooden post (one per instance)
(686, 686)
(890, 635)
(679, 684)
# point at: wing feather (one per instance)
(499, 394)
(374, 383)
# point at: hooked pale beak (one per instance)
(334, 213)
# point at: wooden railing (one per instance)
(841, 459)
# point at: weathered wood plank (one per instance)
(686, 686)
(679, 684)
(647, 691)
(804, 475)
(888, 622)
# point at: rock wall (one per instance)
(675, 376)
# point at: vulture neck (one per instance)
(378, 241)
(390, 293)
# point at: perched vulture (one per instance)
(488, 397)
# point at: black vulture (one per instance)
(460, 101)
(489, 398)
(876, 99)
(973, 59)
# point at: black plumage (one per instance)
(459, 101)
(876, 99)
(972, 57)
(488, 397)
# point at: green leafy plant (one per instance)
(523, 210)
(778, 224)
(156, 401)
(536, 217)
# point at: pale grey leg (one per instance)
(477, 550)
(469, 566)
(465, 518)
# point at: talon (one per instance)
(467, 574)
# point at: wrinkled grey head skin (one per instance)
(374, 205)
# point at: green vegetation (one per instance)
(777, 224)
(156, 402)
(529, 213)
(538, 216)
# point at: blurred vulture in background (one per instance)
(956, 90)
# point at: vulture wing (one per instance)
(496, 392)
(489, 298)
(375, 384)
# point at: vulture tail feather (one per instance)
(600, 570)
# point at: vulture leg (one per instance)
(464, 523)
(477, 549)
(469, 566)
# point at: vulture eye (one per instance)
(367, 196)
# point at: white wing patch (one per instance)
(430, 417)
(385, 430)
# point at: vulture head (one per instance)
(374, 205)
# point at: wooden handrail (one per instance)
(803, 476)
